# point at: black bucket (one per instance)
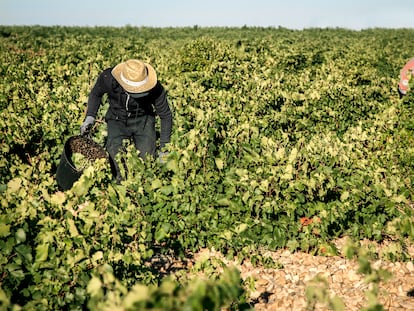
(67, 173)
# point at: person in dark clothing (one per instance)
(135, 97)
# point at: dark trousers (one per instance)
(139, 130)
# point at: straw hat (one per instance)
(135, 76)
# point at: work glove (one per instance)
(162, 156)
(87, 125)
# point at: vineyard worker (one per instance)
(405, 74)
(135, 98)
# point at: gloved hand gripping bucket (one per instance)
(67, 172)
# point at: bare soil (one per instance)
(284, 287)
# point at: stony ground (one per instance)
(284, 288)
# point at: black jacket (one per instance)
(123, 105)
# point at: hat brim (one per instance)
(151, 80)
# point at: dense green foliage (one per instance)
(271, 127)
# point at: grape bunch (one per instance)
(84, 151)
